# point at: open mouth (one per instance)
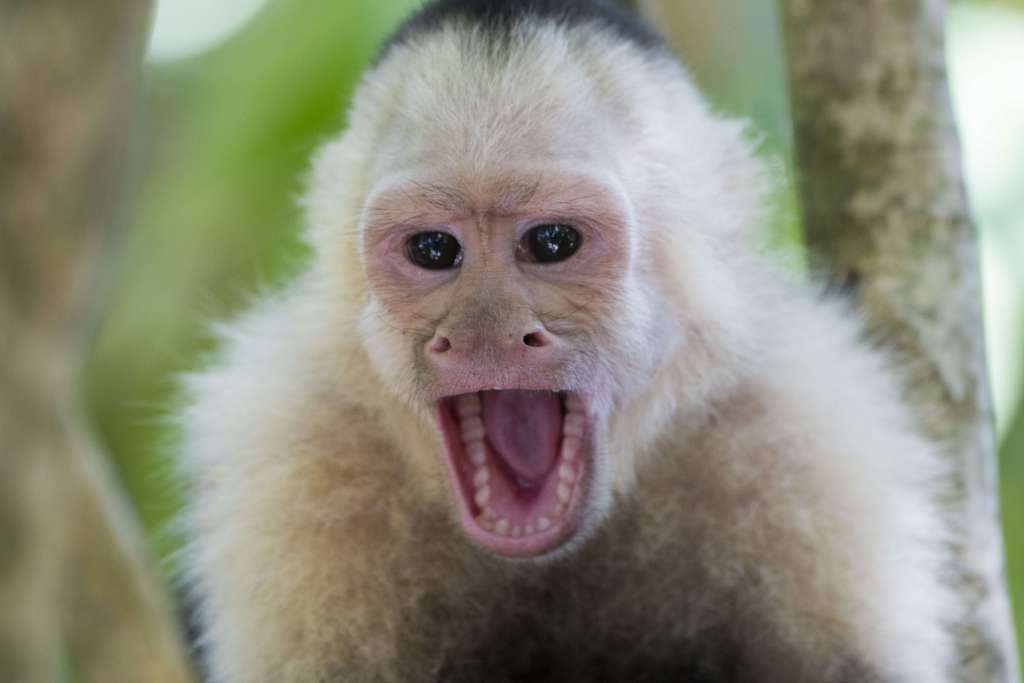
(518, 465)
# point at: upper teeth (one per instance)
(573, 425)
(482, 496)
(477, 452)
(468, 405)
(471, 426)
(472, 429)
(481, 476)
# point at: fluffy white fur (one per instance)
(763, 491)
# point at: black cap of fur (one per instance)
(500, 16)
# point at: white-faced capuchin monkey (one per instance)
(538, 410)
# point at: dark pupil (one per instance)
(434, 250)
(551, 243)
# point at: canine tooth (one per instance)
(467, 405)
(481, 476)
(563, 492)
(489, 513)
(559, 510)
(566, 473)
(529, 529)
(570, 448)
(543, 523)
(472, 429)
(574, 403)
(501, 526)
(478, 453)
(483, 496)
(484, 523)
(573, 425)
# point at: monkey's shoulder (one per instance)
(279, 382)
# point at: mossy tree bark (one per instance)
(73, 582)
(885, 213)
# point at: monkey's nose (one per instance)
(439, 344)
(536, 339)
(445, 345)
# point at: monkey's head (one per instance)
(529, 239)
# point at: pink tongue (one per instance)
(524, 427)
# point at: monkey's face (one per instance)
(515, 289)
(507, 297)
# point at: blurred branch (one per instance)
(886, 214)
(1018, 4)
(72, 573)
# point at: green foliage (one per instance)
(1018, 4)
(227, 140)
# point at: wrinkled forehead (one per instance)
(430, 195)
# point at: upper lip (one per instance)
(453, 389)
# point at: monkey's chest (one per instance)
(603, 617)
(550, 646)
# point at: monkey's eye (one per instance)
(550, 243)
(434, 250)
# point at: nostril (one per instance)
(535, 339)
(439, 345)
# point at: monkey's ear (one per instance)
(336, 188)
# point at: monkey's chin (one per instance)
(519, 463)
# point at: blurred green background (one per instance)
(240, 92)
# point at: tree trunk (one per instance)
(885, 213)
(73, 583)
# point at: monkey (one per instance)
(540, 407)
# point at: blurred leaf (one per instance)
(1018, 4)
(232, 132)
